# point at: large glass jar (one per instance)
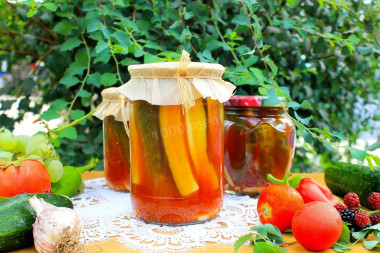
(258, 140)
(116, 154)
(176, 161)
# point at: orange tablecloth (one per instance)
(113, 246)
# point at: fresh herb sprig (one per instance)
(344, 243)
(265, 238)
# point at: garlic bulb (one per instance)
(53, 226)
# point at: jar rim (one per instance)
(251, 101)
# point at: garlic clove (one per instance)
(54, 225)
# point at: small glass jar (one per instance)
(114, 112)
(259, 140)
(176, 161)
(116, 154)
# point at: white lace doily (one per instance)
(107, 213)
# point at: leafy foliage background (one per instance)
(323, 56)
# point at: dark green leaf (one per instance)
(271, 64)
(69, 81)
(94, 79)
(128, 61)
(101, 46)
(108, 79)
(241, 19)
(64, 27)
(258, 74)
(84, 93)
(58, 104)
(70, 44)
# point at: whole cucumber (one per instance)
(17, 218)
(342, 178)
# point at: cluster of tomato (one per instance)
(307, 208)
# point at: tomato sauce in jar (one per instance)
(259, 140)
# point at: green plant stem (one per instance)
(75, 122)
(87, 72)
(116, 62)
(130, 34)
(222, 38)
(85, 168)
(256, 45)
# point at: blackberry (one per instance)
(348, 215)
(375, 218)
(355, 228)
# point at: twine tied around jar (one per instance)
(184, 86)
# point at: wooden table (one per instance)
(113, 246)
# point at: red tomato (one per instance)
(317, 226)
(277, 204)
(29, 177)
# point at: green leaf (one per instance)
(240, 242)
(341, 247)
(58, 104)
(128, 61)
(84, 94)
(271, 64)
(94, 79)
(69, 81)
(369, 245)
(284, 91)
(307, 137)
(272, 98)
(241, 19)
(77, 114)
(32, 12)
(364, 50)
(101, 46)
(328, 145)
(268, 247)
(50, 6)
(358, 154)
(320, 3)
(290, 2)
(258, 74)
(108, 79)
(69, 133)
(346, 235)
(150, 58)
(64, 27)
(49, 115)
(185, 35)
(173, 14)
(70, 44)
(304, 121)
(353, 39)
(288, 23)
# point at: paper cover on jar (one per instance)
(175, 83)
(113, 104)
